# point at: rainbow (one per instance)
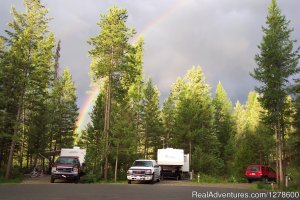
(89, 102)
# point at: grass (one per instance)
(212, 179)
(10, 181)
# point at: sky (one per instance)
(221, 36)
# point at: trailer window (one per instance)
(142, 163)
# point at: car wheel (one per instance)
(129, 181)
(52, 179)
(249, 181)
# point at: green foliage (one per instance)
(223, 125)
(37, 115)
(190, 109)
(254, 142)
(294, 173)
(277, 62)
(63, 111)
(151, 122)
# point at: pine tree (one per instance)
(29, 67)
(194, 122)
(63, 111)
(109, 62)
(253, 141)
(151, 121)
(223, 123)
(277, 61)
(168, 119)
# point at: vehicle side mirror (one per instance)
(156, 166)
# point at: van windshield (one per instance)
(142, 163)
(253, 168)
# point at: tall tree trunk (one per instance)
(13, 142)
(116, 165)
(107, 124)
(190, 156)
(22, 139)
(146, 143)
(280, 178)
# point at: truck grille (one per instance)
(64, 169)
(138, 171)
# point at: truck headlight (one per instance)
(148, 171)
(53, 169)
(75, 169)
(129, 172)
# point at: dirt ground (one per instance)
(45, 179)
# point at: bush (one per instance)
(294, 184)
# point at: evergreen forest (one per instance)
(38, 104)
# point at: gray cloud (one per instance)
(220, 36)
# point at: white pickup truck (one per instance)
(144, 170)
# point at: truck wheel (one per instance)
(77, 180)
(129, 181)
(153, 179)
(52, 180)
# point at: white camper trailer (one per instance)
(76, 151)
(173, 162)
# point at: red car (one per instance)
(260, 172)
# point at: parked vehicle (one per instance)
(260, 172)
(174, 163)
(144, 170)
(69, 165)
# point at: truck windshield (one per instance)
(142, 163)
(65, 160)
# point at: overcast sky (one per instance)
(221, 36)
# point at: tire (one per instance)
(249, 181)
(153, 179)
(129, 181)
(77, 179)
(52, 179)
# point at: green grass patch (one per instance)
(203, 178)
(261, 185)
(10, 181)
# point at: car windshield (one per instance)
(142, 163)
(64, 160)
(253, 168)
